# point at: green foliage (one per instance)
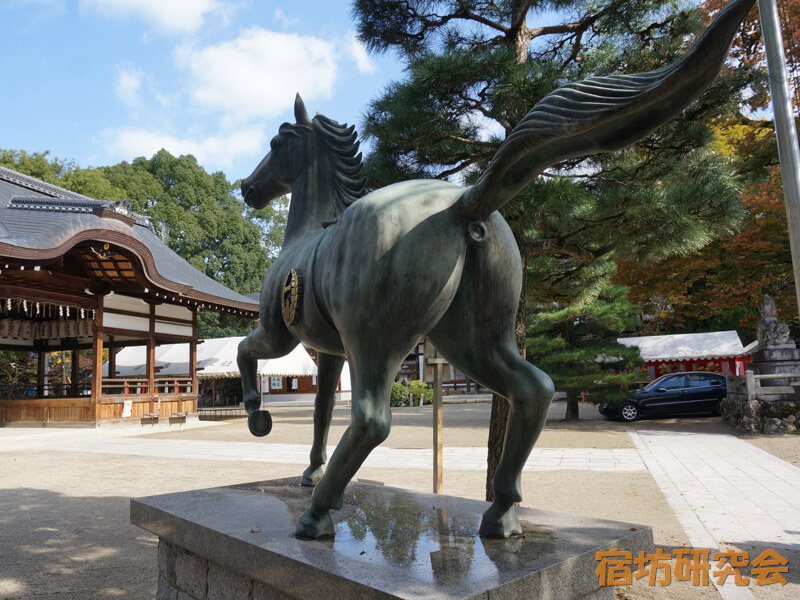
(271, 220)
(418, 387)
(473, 69)
(16, 367)
(576, 345)
(212, 325)
(721, 286)
(400, 392)
(201, 215)
(398, 395)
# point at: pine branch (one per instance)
(466, 13)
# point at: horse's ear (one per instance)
(300, 112)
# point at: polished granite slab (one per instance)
(389, 543)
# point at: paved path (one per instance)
(738, 492)
(125, 442)
(725, 492)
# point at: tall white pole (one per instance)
(788, 147)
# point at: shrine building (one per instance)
(79, 275)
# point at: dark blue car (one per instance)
(674, 394)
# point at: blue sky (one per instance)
(101, 81)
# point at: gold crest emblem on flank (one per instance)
(292, 297)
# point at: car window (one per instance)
(677, 381)
(699, 380)
(657, 383)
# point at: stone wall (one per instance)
(762, 405)
(183, 575)
(761, 416)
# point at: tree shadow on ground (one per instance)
(59, 546)
(688, 424)
(475, 415)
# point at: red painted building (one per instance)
(718, 352)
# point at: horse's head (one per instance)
(288, 154)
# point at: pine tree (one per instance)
(473, 70)
(577, 346)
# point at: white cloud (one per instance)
(214, 152)
(167, 16)
(257, 75)
(488, 129)
(282, 19)
(128, 83)
(359, 54)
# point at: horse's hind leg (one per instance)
(503, 370)
(369, 426)
(330, 368)
(477, 336)
(530, 391)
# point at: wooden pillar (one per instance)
(151, 358)
(434, 360)
(437, 428)
(97, 357)
(112, 358)
(76, 359)
(193, 360)
(40, 365)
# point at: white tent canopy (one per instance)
(215, 358)
(718, 344)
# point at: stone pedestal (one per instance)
(238, 542)
(759, 402)
(774, 360)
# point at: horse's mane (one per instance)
(346, 160)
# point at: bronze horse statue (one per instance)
(367, 277)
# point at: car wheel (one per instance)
(628, 411)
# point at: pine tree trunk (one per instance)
(572, 406)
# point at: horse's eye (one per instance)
(276, 142)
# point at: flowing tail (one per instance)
(601, 114)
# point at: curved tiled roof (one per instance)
(40, 221)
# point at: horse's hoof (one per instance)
(312, 526)
(500, 522)
(311, 476)
(259, 422)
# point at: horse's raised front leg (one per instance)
(255, 346)
(329, 370)
(369, 426)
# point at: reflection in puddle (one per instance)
(435, 544)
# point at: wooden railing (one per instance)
(176, 385)
(140, 386)
(125, 387)
(23, 391)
